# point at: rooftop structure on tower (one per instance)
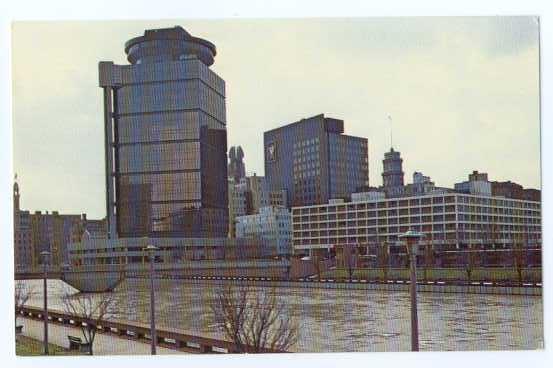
(392, 174)
(236, 167)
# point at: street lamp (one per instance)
(45, 257)
(151, 254)
(412, 239)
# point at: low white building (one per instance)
(454, 219)
(272, 223)
(367, 196)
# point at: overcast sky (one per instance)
(463, 94)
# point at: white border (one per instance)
(142, 9)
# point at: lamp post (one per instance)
(412, 238)
(151, 254)
(45, 258)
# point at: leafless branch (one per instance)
(350, 258)
(23, 293)
(94, 308)
(254, 320)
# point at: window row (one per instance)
(159, 127)
(159, 157)
(159, 187)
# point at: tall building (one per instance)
(165, 139)
(419, 178)
(53, 232)
(313, 161)
(37, 232)
(392, 175)
(23, 244)
(477, 184)
(236, 167)
(272, 224)
(508, 189)
(248, 195)
(532, 194)
(421, 185)
(239, 202)
(261, 194)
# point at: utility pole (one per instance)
(151, 254)
(391, 132)
(412, 239)
(45, 258)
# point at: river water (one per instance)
(346, 320)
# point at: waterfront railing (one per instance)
(166, 337)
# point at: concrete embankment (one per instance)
(434, 287)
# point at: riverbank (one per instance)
(477, 287)
(510, 275)
(27, 346)
(104, 344)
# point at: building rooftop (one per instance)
(175, 41)
(331, 124)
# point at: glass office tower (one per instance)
(313, 161)
(165, 139)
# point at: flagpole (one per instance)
(391, 132)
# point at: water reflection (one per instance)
(347, 320)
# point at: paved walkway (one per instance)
(104, 344)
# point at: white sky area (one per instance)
(463, 94)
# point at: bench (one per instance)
(76, 343)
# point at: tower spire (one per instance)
(15, 185)
(15, 194)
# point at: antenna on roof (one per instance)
(391, 132)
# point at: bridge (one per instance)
(101, 278)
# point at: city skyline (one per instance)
(425, 54)
(241, 263)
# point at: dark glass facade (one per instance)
(313, 161)
(165, 132)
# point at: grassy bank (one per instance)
(26, 346)
(490, 274)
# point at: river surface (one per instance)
(345, 320)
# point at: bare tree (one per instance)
(472, 260)
(520, 245)
(383, 259)
(428, 259)
(349, 254)
(316, 259)
(23, 293)
(485, 242)
(94, 308)
(256, 321)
